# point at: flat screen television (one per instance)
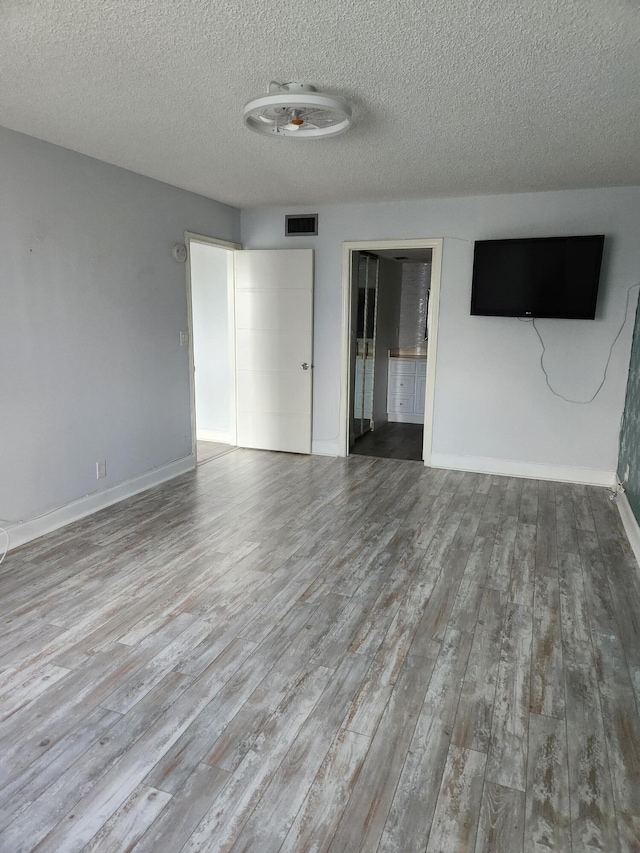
(537, 277)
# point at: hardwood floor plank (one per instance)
(547, 535)
(15, 699)
(130, 691)
(629, 833)
(548, 822)
(78, 779)
(112, 789)
(566, 523)
(192, 746)
(372, 697)
(129, 823)
(523, 567)
(621, 722)
(475, 710)
(593, 820)
(321, 690)
(528, 510)
(239, 735)
(184, 811)
(457, 812)
(507, 760)
(410, 816)
(269, 824)
(364, 818)
(547, 671)
(499, 574)
(502, 816)
(320, 813)
(45, 770)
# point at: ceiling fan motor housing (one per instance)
(298, 110)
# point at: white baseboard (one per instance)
(630, 524)
(405, 418)
(21, 533)
(529, 470)
(215, 435)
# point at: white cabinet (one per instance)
(406, 390)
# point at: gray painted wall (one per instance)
(91, 306)
(630, 435)
(491, 400)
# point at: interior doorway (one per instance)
(210, 287)
(391, 300)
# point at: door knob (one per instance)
(304, 365)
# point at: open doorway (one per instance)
(389, 347)
(211, 300)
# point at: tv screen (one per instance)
(537, 277)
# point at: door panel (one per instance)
(273, 431)
(262, 349)
(272, 310)
(265, 392)
(274, 327)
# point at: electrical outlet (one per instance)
(184, 339)
(101, 469)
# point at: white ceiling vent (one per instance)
(301, 226)
(297, 110)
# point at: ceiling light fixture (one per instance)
(297, 109)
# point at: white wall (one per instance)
(91, 307)
(210, 269)
(492, 407)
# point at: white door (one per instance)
(274, 345)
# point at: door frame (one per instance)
(436, 245)
(191, 237)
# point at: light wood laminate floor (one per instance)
(290, 653)
(208, 450)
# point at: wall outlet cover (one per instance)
(101, 470)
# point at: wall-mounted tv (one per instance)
(537, 277)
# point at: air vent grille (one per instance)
(301, 226)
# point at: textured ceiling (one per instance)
(450, 97)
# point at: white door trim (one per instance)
(190, 237)
(432, 321)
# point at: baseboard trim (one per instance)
(216, 435)
(528, 470)
(22, 533)
(630, 524)
(405, 418)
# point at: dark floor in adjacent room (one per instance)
(392, 441)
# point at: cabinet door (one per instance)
(400, 404)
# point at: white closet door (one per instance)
(274, 346)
